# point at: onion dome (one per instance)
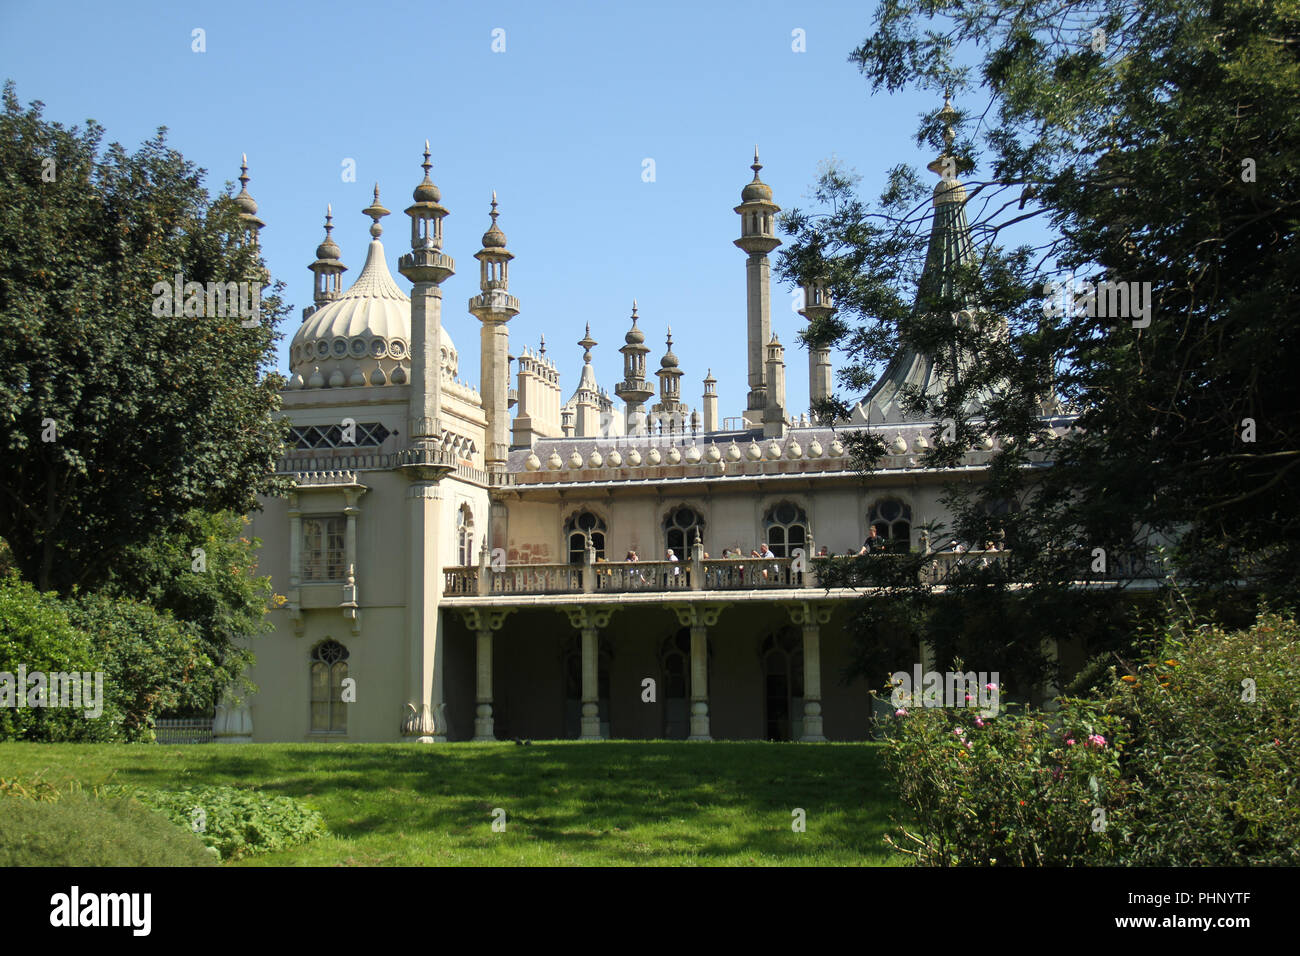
(733, 452)
(670, 359)
(773, 450)
(634, 458)
(654, 457)
(494, 238)
(693, 456)
(757, 190)
(246, 203)
(426, 191)
(532, 462)
(329, 249)
(615, 459)
(595, 460)
(753, 451)
(634, 335)
(554, 463)
(814, 449)
(898, 446)
(792, 450)
(920, 442)
(674, 456)
(837, 448)
(985, 442)
(575, 459)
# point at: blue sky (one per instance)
(559, 124)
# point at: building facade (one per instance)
(464, 563)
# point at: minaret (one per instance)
(757, 238)
(634, 390)
(328, 269)
(710, 403)
(669, 407)
(424, 462)
(247, 205)
(494, 307)
(774, 413)
(817, 304)
(586, 404)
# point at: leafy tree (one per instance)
(1150, 141)
(116, 421)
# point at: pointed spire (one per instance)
(246, 204)
(494, 238)
(328, 249)
(376, 212)
(587, 343)
(542, 349)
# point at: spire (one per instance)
(246, 204)
(376, 212)
(587, 343)
(541, 350)
(328, 268)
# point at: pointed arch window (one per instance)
(682, 528)
(785, 528)
(582, 529)
(892, 519)
(783, 685)
(464, 536)
(573, 687)
(329, 668)
(675, 659)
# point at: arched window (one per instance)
(580, 529)
(573, 687)
(783, 684)
(785, 528)
(892, 520)
(329, 668)
(464, 536)
(682, 528)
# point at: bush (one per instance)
(1176, 765)
(237, 822)
(77, 829)
(1013, 789)
(1214, 760)
(36, 634)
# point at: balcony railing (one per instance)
(752, 574)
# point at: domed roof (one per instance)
(246, 203)
(634, 335)
(426, 191)
(368, 326)
(756, 190)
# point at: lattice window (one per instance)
(464, 536)
(580, 529)
(329, 668)
(367, 434)
(786, 529)
(324, 547)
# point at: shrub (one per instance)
(1214, 760)
(77, 829)
(237, 822)
(1014, 789)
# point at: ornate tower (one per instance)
(710, 403)
(586, 400)
(328, 269)
(757, 238)
(669, 409)
(634, 390)
(817, 304)
(774, 413)
(425, 462)
(494, 307)
(247, 205)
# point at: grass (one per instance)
(567, 803)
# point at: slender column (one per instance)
(424, 720)
(589, 620)
(810, 617)
(484, 622)
(699, 618)
(758, 297)
(295, 565)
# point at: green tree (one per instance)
(116, 421)
(1149, 141)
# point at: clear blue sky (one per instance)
(558, 124)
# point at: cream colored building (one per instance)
(453, 556)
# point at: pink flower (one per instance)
(1069, 741)
(969, 697)
(979, 722)
(959, 732)
(990, 686)
(968, 745)
(901, 712)
(1096, 740)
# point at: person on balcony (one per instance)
(765, 552)
(873, 543)
(671, 555)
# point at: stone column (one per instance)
(589, 620)
(810, 617)
(483, 622)
(699, 618)
(295, 565)
(423, 720)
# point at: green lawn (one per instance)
(566, 803)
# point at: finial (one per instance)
(376, 212)
(329, 219)
(426, 164)
(243, 170)
(494, 212)
(948, 115)
(757, 165)
(542, 348)
(670, 338)
(587, 342)
(634, 310)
